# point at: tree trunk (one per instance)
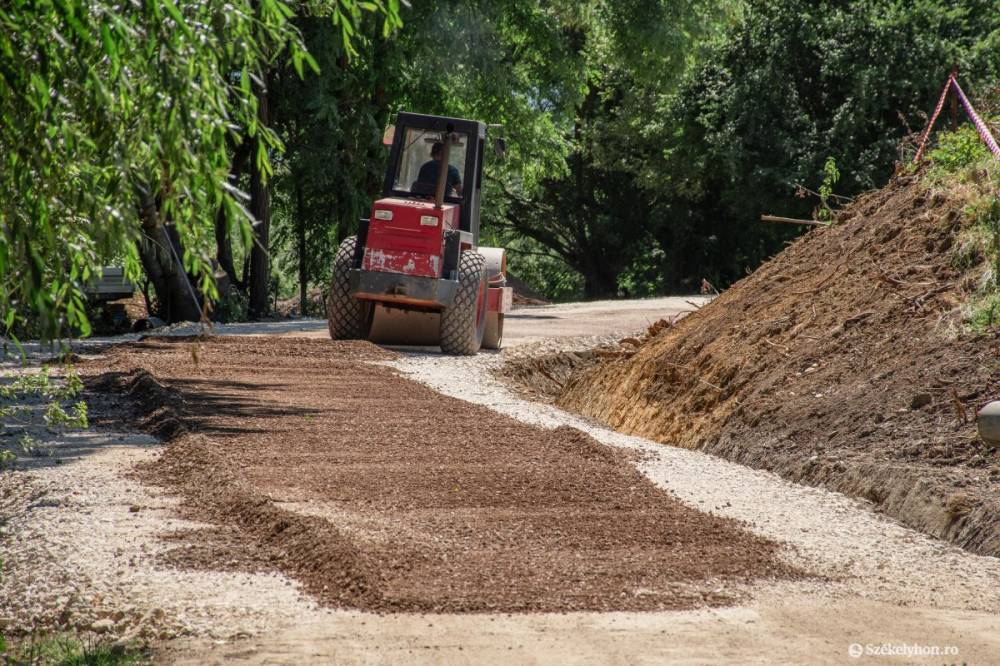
(596, 285)
(224, 248)
(300, 227)
(600, 274)
(259, 279)
(223, 241)
(159, 251)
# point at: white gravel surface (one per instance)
(82, 542)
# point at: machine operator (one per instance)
(428, 174)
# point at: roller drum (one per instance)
(395, 326)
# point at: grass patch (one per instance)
(984, 313)
(984, 308)
(961, 164)
(958, 153)
(69, 650)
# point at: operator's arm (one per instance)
(455, 180)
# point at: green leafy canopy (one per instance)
(104, 104)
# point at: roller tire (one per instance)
(464, 322)
(347, 317)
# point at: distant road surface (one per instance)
(529, 323)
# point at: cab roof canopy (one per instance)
(474, 148)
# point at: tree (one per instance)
(113, 132)
(778, 93)
(331, 123)
(706, 117)
(595, 214)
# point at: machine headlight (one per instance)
(428, 220)
(383, 214)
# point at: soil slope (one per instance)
(839, 363)
(376, 492)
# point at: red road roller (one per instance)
(415, 273)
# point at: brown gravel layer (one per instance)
(376, 492)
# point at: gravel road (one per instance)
(72, 537)
(378, 493)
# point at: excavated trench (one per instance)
(841, 363)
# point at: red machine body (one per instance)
(407, 236)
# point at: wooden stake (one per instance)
(792, 220)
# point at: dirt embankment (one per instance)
(839, 363)
(376, 492)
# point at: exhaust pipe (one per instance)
(443, 172)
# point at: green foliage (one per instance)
(28, 444)
(988, 217)
(830, 177)
(233, 307)
(958, 151)
(984, 309)
(641, 148)
(40, 383)
(111, 108)
(985, 313)
(960, 167)
(58, 417)
(644, 276)
(594, 211)
(784, 88)
(543, 270)
(27, 384)
(70, 650)
(72, 384)
(645, 136)
(512, 62)
(332, 127)
(11, 411)
(55, 414)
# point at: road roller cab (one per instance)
(415, 273)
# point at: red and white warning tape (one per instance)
(934, 117)
(984, 131)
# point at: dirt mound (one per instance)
(292, 307)
(378, 493)
(524, 294)
(841, 363)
